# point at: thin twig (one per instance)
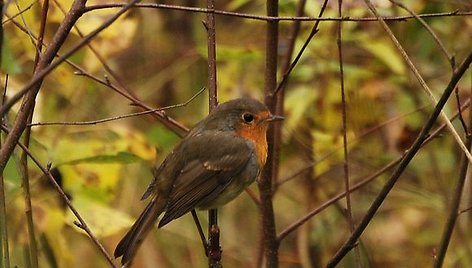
(461, 117)
(455, 199)
(4, 247)
(20, 12)
(168, 121)
(347, 246)
(453, 210)
(200, 230)
(30, 34)
(99, 121)
(214, 248)
(32, 245)
(83, 225)
(277, 18)
(347, 183)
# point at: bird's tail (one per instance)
(130, 243)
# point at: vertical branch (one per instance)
(4, 251)
(279, 110)
(455, 201)
(214, 249)
(32, 245)
(344, 130)
(270, 241)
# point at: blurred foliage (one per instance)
(160, 56)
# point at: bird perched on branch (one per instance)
(214, 163)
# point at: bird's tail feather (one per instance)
(130, 243)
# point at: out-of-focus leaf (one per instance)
(118, 144)
(12, 173)
(229, 53)
(325, 144)
(297, 102)
(160, 136)
(91, 161)
(9, 61)
(103, 220)
(386, 52)
(233, 5)
(94, 180)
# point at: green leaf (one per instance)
(386, 53)
(9, 63)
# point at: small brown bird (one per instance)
(214, 163)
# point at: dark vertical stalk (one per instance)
(214, 249)
(4, 251)
(344, 130)
(32, 245)
(270, 241)
(455, 200)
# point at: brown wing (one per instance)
(207, 172)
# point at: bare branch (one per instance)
(94, 122)
(277, 18)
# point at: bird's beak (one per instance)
(273, 118)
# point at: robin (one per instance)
(214, 163)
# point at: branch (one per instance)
(347, 183)
(267, 177)
(277, 18)
(214, 248)
(99, 121)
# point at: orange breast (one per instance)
(257, 135)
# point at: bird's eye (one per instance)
(248, 118)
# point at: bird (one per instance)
(218, 158)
